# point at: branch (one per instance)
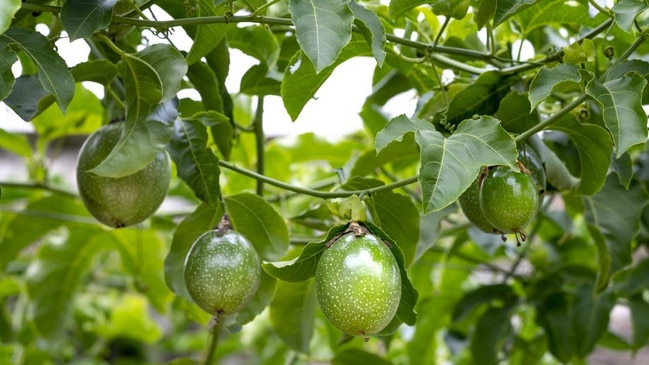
(311, 192)
(38, 186)
(260, 140)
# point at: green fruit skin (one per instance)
(358, 284)
(509, 199)
(221, 272)
(124, 201)
(470, 204)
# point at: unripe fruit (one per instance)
(509, 199)
(124, 201)
(358, 284)
(222, 271)
(470, 204)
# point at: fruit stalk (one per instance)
(214, 332)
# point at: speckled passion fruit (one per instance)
(358, 284)
(124, 201)
(509, 199)
(470, 204)
(222, 271)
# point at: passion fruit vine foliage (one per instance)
(566, 79)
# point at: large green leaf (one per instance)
(372, 29)
(594, 146)
(301, 81)
(255, 41)
(25, 96)
(323, 29)
(305, 265)
(7, 58)
(615, 212)
(53, 72)
(590, 317)
(170, 66)
(489, 334)
(196, 163)
(546, 12)
(99, 71)
(206, 83)
(292, 313)
(449, 165)
(505, 9)
(206, 36)
(82, 18)
(621, 101)
(56, 274)
(547, 78)
(515, 113)
(626, 11)
(259, 81)
(203, 219)
(481, 97)
(639, 321)
(260, 223)
(7, 10)
(397, 128)
(555, 316)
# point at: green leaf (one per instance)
(305, 265)
(259, 301)
(301, 80)
(449, 165)
(53, 73)
(206, 36)
(82, 18)
(255, 41)
(546, 12)
(479, 296)
(506, 9)
(130, 318)
(516, 114)
(100, 71)
(631, 281)
(323, 29)
(623, 167)
(221, 128)
(579, 52)
(16, 143)
(639, 322)
(258, 81)
(397, 127)
(56, 274)
(143, 86)
(7, 58)
(409, 295)
(548, 78)
(196, 163)
(394, 154)
(24, 99)
(170, 66)
(138, 145)
(203, 219)
(626, 11)
(481, 97)
(487, 338)
(590, 317)
(37, 219)
(621, 69)
(260, 223)
(292, 314)
(8, 9)
(594, 147)
(621, 101)
(556, 171)
(372, 29)
(615, 212)
(356, 356)
(206, 83)
(399, 7)
(555, 316)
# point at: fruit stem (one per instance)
(214, 328)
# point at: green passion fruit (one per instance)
(509, 199)
(470, 204)
(222, 271)
(358, 284)
(124, 201)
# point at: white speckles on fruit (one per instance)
(358, 284)
(222, 272)
(122, 201)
